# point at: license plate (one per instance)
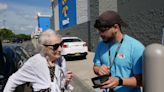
(77, 54)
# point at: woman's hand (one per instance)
(68, 77)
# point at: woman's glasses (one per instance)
(55, 46)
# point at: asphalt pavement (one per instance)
(83, 72)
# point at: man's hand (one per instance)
(111, 83)
(130, 82)
(101, 70)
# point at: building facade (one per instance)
(145, 19)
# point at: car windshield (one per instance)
(71, 40)
(22, 56)
(22, 52)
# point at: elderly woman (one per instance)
(46, 71)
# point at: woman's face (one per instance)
(54, 49)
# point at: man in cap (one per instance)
(118, 55)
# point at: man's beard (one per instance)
(111, 39)
(106, 41)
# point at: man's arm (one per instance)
(131, 82)
(96, 69)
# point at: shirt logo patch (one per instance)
(121, 56)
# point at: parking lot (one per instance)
(83, 71)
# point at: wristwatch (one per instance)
(120, 81)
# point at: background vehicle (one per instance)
(13, 57)
(74, 47)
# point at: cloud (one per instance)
(3, 6)
(20, 18)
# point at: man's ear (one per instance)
(116, 27)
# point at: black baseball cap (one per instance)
(108, 19)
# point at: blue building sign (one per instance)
(43, 22)
(67, 13)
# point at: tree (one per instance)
(23, 37)
(6, 34)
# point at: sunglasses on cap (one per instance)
(103, 29)
(55, 46)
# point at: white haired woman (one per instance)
(46, 71)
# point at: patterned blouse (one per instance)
(52, 75)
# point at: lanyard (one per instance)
(118, 48)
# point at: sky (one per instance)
(21, 15)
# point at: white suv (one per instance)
(73, 47)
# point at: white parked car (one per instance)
(73, 47)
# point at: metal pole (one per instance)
(53, 14)
(4, 23)
(89, 28)
(153, 65)
(163, 35)
(38, 15)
